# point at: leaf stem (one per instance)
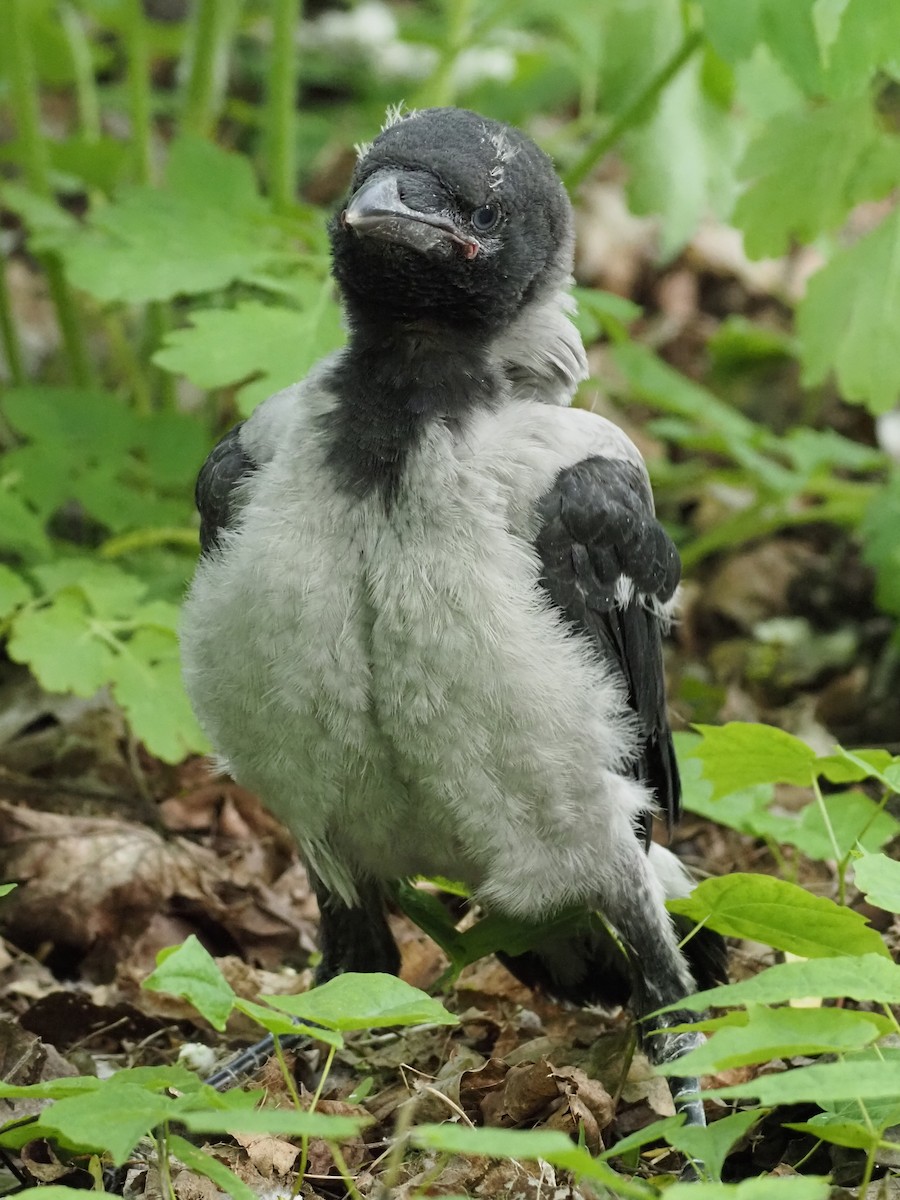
(9, 335)
(207, 56)
(317, 1095)
(459, 14)
(24, 96)
(281, 105)
(840, 859)
(635, 112)
(143, 539)
(162, 1157)
(139, 90)
(83, 66)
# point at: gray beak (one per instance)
(377, 210)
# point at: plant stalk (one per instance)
(9, 336)
(281, 105)
(24, 96)
(636, 112)
(83, 65)
(139, 91)
(207, 63)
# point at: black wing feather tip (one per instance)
(227, 464)
(598, 524)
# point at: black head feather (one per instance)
(470, 222)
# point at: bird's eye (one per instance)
(485, 218)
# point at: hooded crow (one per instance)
(426, 623)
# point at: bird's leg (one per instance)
(353, 938)
(661, 976)
(357, 938)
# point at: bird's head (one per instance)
(452, 220)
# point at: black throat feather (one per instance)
(391, 382)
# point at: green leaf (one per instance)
(682, 159)
(711, 1144)
(204, 231)
(739, 754)
(289, 1122)
(780, 1033)
(779, 913)
(848, 320)
(6, 888)
(808, 169)
(359, 1000)
(278, 1023)
(493, 1143)
(51, 1089)
(547, 1144)
(190, 971)
(856, 977)
(21, 532)
(14, 591)
(854, 1134)
(656, 1131)
(821, 1083)
(146, 679)
(275, 346)
(205, 1164)
(878, 878)
(109, 1118)
(768, 1187)
(59, 643)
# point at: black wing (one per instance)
(598, 526)
(226, 466)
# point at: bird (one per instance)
(426, 623)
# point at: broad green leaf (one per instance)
(109, 1118)
(847, 321)
(21, 532)
(711, 1144)
(821, 1083)
(598, 311)
(59, 644)
(190, 971)
(6, 888)
(808, 169)
(857, 977)
(878, 878)
(494, 1143)
(779, 1033)
(863, 38)
(278, 1023)
(854, 1134)
(531, 1144)
(205, 1164)
(768, 1187)
(779, 913)
(271, 346)
(289, 1122)
(654, 1132)
(739, 754)
(205, 230)
(109, 591)
(682, 159)
(146, 679)
(51, 1089)
(364, 1001)
(853, 817)
(14, 591)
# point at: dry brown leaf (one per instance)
(272, 1156)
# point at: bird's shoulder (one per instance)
(597, 526)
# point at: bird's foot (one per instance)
(667, 1046)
